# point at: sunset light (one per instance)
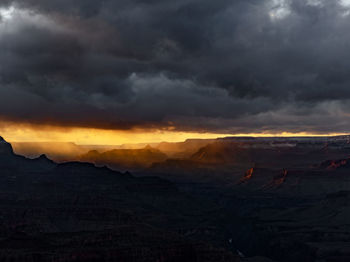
(91, 136)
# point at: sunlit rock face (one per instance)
(333, 165)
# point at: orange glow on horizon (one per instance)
(14, 132)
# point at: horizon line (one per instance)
(283, 135)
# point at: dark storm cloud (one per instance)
(222, 66)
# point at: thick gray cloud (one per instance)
(220, 66)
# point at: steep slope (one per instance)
(5, 148)
(10, 162)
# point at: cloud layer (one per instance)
(195, 65)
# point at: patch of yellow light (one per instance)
(90, 136)
(14, 132)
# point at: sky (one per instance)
(161, 69)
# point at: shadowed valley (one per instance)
(283, 199)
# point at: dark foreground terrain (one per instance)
(77, 212)
(233, 199)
